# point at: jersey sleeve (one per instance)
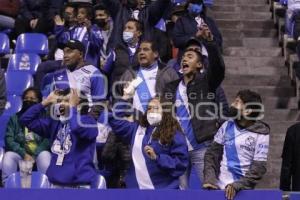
(220, 135)
(261, 148)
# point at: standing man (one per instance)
(194, 98)
(290, 169)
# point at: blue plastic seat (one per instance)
(46, 84)
(17, 82)
(38, 180)
(32, 43)
(4, 44)
(24, 62)
(13, 105)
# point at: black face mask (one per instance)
(67, 18)
(234, 113)
(26, 105)
(100, 22)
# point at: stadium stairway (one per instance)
(254, 61)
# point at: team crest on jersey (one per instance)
(249, 144)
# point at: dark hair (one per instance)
(138, 24)
(101, 6)
(154, 46)
(89, 10)
(168, 126)
(35, 91)
(248, 96)
(198, 53)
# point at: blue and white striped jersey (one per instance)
(241, 148)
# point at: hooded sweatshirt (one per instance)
(237, 155)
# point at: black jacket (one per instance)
(186, 27)
(149, 16)
(202, 90)
(122, 62)
(290, 169)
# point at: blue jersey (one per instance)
(75, 142)
(87, 79)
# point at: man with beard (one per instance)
(237, 158)
(23, 144)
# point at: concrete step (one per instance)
(252, 52)
(239, 2)
(240, 16)
(278, 115)
(260, 70)
(260, 42)
(263, 80)
(250, 42)
(280, 128)
(264, 91)
(234, 34)
(241, 8)
(253, 62)
(240, 24)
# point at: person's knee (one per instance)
(10, 159)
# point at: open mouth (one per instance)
(61, 110)
(184, 66)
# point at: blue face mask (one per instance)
(195, 9)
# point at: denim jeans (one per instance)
(196, 160)
(11, 160)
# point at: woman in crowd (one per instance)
(159, 150)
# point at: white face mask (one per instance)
(127, 37)
(154, 118)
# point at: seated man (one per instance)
(72, 135)
(23, 144)
(237, 158)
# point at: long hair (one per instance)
(168, 126)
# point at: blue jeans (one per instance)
(196, 160)
(11, 160)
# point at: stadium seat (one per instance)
(38, 180)
(13, 105)
(4, 120)
(4, 44)
(24, 61)
(46, 84)
(17, 82)
(32, 43)
(100, 183)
